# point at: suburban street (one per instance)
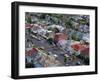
(49, 43)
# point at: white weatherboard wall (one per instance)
(5, 40)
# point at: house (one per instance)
(61, 28)
(28, 25)
(60, 40)
(30, 52)
(60, 36)
(82, 48)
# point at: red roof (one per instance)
(60, 36)
(28, 25)
(76, 47)
(30, 52)
(82, 48)
(85, 51)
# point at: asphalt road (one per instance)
(53, 50)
